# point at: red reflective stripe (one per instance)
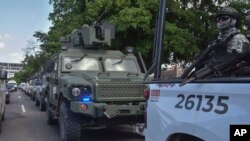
(155, 92)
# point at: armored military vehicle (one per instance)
(92, 87)
(40, 89)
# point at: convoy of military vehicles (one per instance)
(88, 86)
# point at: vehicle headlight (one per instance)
(76, 91)
(86, 91)
(80, 92)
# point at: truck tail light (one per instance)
(146, 94)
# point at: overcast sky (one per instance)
(19, 19)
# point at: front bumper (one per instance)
(104, 110)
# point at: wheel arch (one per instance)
(183, 137)
(61, 98)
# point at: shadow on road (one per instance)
(113, 133)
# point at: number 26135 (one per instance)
(189, 102)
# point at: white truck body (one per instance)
(202, 110)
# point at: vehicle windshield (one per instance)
(11, 85)
(114, 64)
(76, 64)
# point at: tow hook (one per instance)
(111, 115)
(139, 129)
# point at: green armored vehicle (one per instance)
(92, 87)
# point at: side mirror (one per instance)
(3, 74)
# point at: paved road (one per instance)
(24, 122)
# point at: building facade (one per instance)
(11, 68)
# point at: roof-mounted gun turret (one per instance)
(95, 36)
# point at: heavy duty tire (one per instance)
(36, 102)
(3, 116)
(32, 97)
(49, 115)
(184, 138)
(42, 106)
(69, 122)
(7, 100)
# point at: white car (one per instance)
(27, 88)
(22, 86)
(12, 85)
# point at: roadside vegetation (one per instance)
(191, 27)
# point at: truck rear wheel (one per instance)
(42, 106)
(3, 116)
(184, 137)
(70, 125)
(36, 101)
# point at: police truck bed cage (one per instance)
(218, 66)
(158, 41)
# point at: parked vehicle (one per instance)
(34, 85)
(22, 86)
(194, 110)
(12, 85)
(6, 91)
(3, 75)
(27, 88)
(41, 91)
(35, 89)
(91, 87)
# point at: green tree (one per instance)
(190, 26)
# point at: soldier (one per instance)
(229, 39)
(244, 66)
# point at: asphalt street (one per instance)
(24, 122)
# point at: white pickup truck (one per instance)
(215, 109)
(200, 111)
